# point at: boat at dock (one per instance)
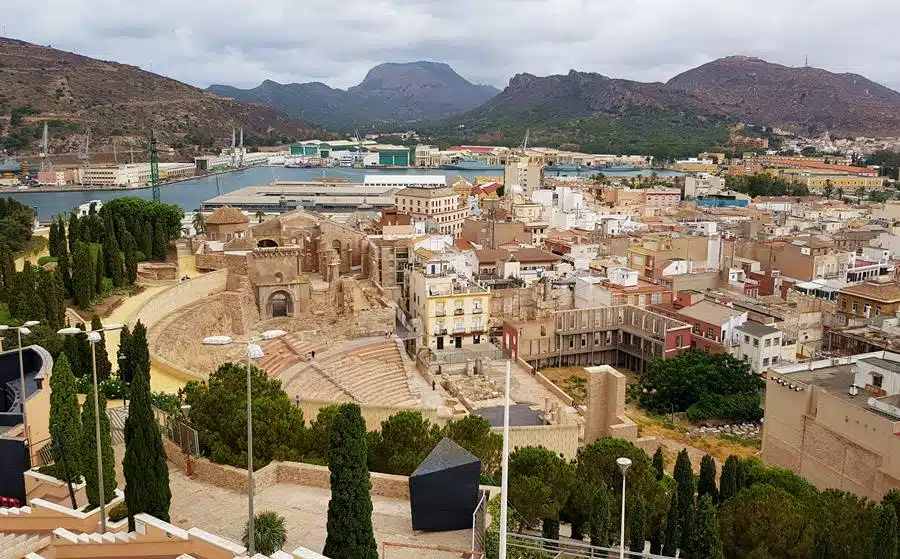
(470, 164)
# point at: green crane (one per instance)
(154, 167)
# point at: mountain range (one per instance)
(390, 93)
(73, 93)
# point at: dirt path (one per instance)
(33, 257)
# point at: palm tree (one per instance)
(260, 215)
(840, 193)
(269, 532)
(829, 189)
(199, 224)
(861, 193)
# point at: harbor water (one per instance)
(191, 193)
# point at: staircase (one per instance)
(17, 546)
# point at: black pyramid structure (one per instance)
(443, 491)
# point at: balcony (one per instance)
(459, 312)
(476, 310)
(440, 332)
(459, 330)
(440, 313)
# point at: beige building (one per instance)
(835, 422)
(442, 205)
(226, 224)
(524, 173)
(453, 312)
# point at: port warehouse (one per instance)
(376, 193)
(388, 155)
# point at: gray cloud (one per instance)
(487, 41)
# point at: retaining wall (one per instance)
(180, 295)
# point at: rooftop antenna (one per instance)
(806, 62)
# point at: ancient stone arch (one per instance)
(280, 303)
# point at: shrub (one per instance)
(45, 259)
(117, 512)
(140, 256)
(269, 533)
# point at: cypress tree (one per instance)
(89, 450)
(349, 524)
(104, 367)
(886, 530)
(637, 526)
(687, 530)
(126, 371)
(147, 241)
(146, 473)
(706, 542)
(728, 482)
(659, 465)
(74, 234)
(673, 533)
(65, 275)
(98, 272)
(684, 484)
(138, 350)
(82, 275)
(64, 417)
(53, 241)
(50, 290)
(160, 240)
(113, 258)
(706, 482)
(131, 263)
(599, 518)
(7, 271)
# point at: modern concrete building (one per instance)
(285, 196)
(835, 422)
(758, 345)
(441, 205)
(866, 300)
(622, 286)
(623, 336)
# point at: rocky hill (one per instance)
(74, 92)
(806, 100)
(591, 112)
(390, 93)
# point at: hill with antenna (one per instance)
(73, 93)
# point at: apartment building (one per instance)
(524, 173)
(713, 325)
(835, 422)
(442, 205)
(702, 184)
(388, 263)
(803, 258)
(858, 303)
(662, 198)
(758, 345)
(656, 251)
(621, 286)
(622, 336)
(453, 311)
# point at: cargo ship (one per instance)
(470, 164)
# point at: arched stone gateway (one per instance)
(266, 243)
(280, 304)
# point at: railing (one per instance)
(440, 313)
(571, 548)
(459, 330)
(440, 332)
(477, 310)
(478, 527)
(459, 312)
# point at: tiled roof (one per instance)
(709, 312)
(226, 216)
(885, 292)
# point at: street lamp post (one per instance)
(624, 464)
(504, 474)
(94, 338)
(253, 352)
(24, 329)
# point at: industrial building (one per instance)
(285, 196)
(134, 174)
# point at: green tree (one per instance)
(199, 223)
(53, 240)
(706, 482)
(637, 526)
(600, 519)
(260, 215)
(64, 417)
(861, 193)
(74, 234)
(474, 434)
(89, 450)
(728, 482)
(160, 240)
(684, 481)
(673, 530)
(350, 534)
(104, 367)
(840, 193)
(269, 533)
(219, 410)
(7, 271)
(318, 437)
(147, 239)
(123, 356)
(113, 258)
(707, 543)
(82, 275)
(892, 498)
(405, 440)
(99, 273)
(540, 482)
(659, 463)
(886, 530)
(139, 351)
(765, 521)
(131, 263)
(146, 472)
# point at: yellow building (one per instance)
(694, 165)
(453, 312)
(817, 180)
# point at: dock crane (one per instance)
(154, 168)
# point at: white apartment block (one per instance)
(758, 345)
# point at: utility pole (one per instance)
(154, 168)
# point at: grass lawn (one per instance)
(4, 313)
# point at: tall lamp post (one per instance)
(185, 408)
(624, 464)
(23, 329)
(253, 352)
(504, 474)
(94, 338)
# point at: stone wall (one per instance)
(180, 295)
(274, 473)
(562, 439)
(372, 414)
(234, 263)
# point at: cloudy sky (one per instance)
(242, 42)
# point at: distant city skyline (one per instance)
(238, 43)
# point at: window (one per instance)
(584, 340)
(755, 342)
(766, 362)
(746, 359)
(877, 380)
(571, 342)
(746, 339)
(709, 333)
(855, 306)
(768, 342)
(774, 359)
(677, 341)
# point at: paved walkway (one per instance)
(305, 510)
